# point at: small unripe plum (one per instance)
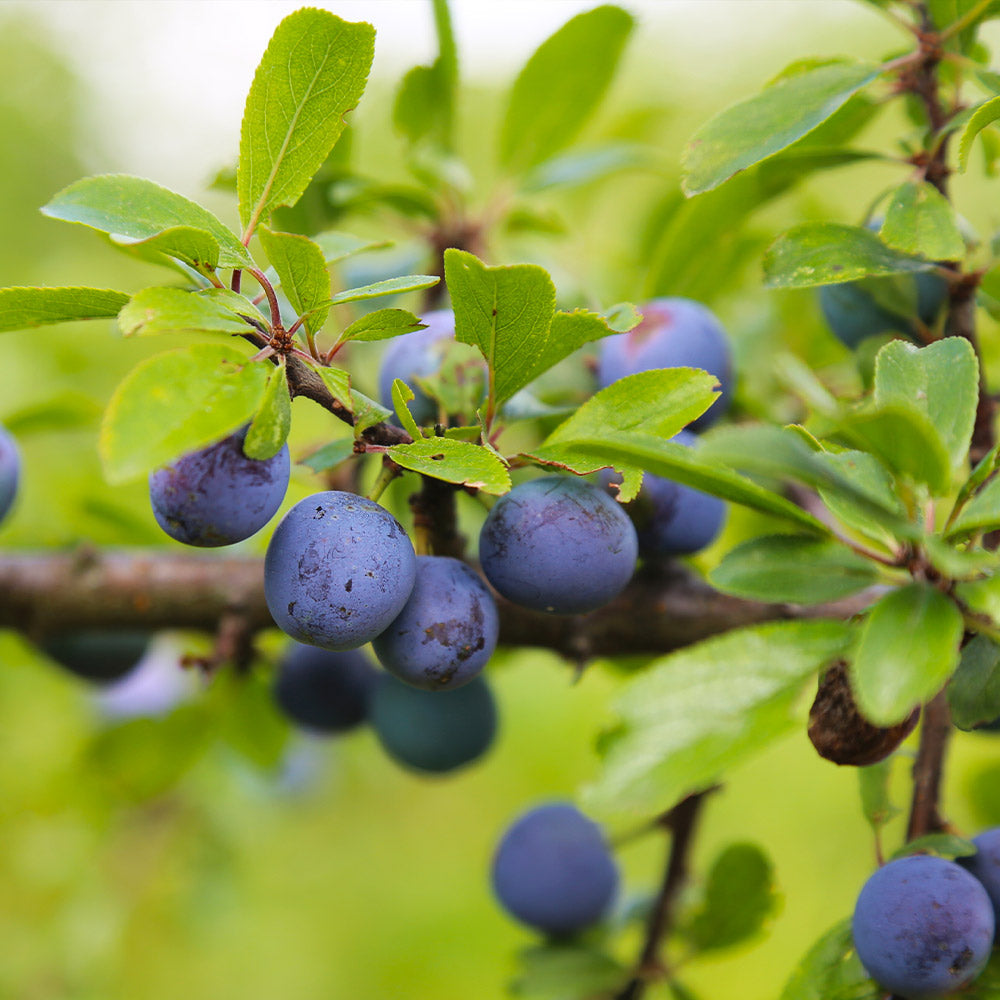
(674, 333)
(434, 731)
(852, 312)
(417, 355)
(558, 544)
(985, 865)
(447, 630)
(671, 519)
(101, 656)
(218, 496)
(10, 472)
(338, 570)
(324, 691)
(553, 871)
(923, 927)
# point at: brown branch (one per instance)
(681, 822)
(658, 612)
(935, 731)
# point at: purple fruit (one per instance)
(10, 472)
(218, 496)
(674, 333)
(417, 355)
(923, 927)
(985, 865)
(553, 870)
(446, 632)
(325, 691)
(558, 544)
(433, 731)
(338, 570)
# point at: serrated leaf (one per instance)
(920, 220)
(566, 970)
(794, 569)
(907, 649)
(138, 209)
(940, 380)
(980, 514)
(197, 248)
(770, 121)
(455, 462)
(338, 382)
(389, 286)
(739, 897)
(313, 72)
(987, 113)
(271, 423)
(330, 455)
(173, 310)
(573, 69)
(673, 461)
(23, 307)
(622, 317)
(367, 413)
(941, 845)
(236, 303)
(827, 253)
(402, 395)
(381, 325)
(176, 402)
(974, 691)
(301, 266)
(831, 970)
(693, 715)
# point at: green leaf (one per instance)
(831, 970)
(573, 69)
(869, 476)
(381, 325)
(236, 303)
(585, 165)
(301, 267)
(22, 307)
(176, 402)
(64, 411)
(504, 311)
(564, 971)
(942, 845)
(367, 413)
(455, 462)
(739, 897)
(921, 221)
(980, 514)
(132, 208)
(793, 568)
(248, 719)
(941, 381)
(338, 382)
(827, 253)
(389, 286)
(402, 395)
(337, 245)
(873, 783)
(770, 121)
(197, 248)
(904, 440)
(984, 115)
(907, 649)
(273, 420)
(693, 715)
(312, 73)
(173, 310)
(330, 455)
(974, 691)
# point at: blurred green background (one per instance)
(210, 852)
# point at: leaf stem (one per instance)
(387, 474)
(969, 17)
(272, 298)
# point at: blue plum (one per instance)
(852, 312)
(674, 333)
(10, 472)
(553, 871)
(218, 496)
(558, 544)
(101, 656)
(324, 691)
(338, 570)
(671, 519)
(416, 355)
(985, 865)
(447, 631)
(433, 731)
(923, 927)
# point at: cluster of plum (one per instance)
(924, 926)
(10, 472)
